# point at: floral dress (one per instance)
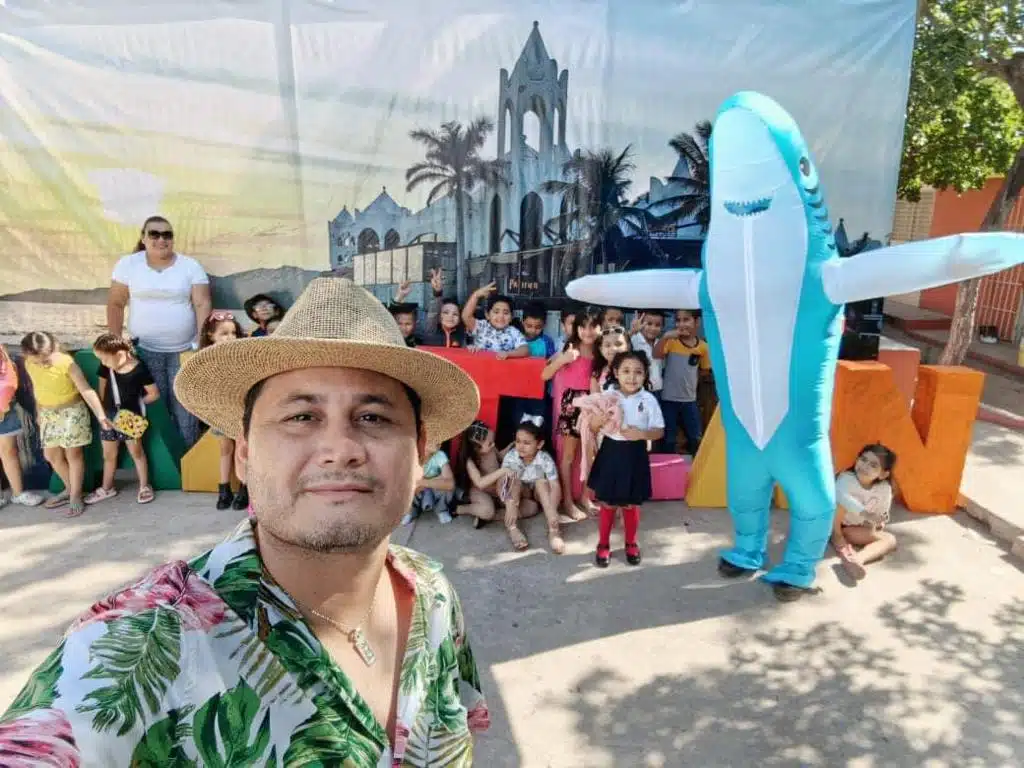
(210, 663)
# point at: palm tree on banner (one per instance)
(454, 166)
(693, 201)
(594, 189)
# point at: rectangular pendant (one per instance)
(363, 647)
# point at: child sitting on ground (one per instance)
(220, 327)
(863, 499)
(127, 386)
(63, 401)
(532, 480)
(496, 333)
(435, 490)
(478, 471)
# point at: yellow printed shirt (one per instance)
(683, 365)
(52, 384)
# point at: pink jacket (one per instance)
(8, 382)
(593, 407)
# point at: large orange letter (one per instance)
(931, 442)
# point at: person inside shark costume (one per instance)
(772, 293)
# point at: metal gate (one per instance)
(999, 301)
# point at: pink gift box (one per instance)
(670, 476)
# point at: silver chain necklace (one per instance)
(356, 636)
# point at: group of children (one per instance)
(66, 403)
(614, 396)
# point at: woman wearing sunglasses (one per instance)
(167, 295)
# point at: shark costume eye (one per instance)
(805, 166)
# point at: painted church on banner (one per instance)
(511, 215)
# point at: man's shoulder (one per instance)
(173, 589)
(423, 571)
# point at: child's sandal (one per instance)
(75, 509)
(518, 538)
(145, 495)
(555, 540)
(100, 494)
(58, 501)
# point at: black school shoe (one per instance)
(730, 571)
(224, 496)
(633, 554)
(241, 499)
(602, 557)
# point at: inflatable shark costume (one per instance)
(772, 292)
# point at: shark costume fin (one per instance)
(921, 264)
(661, 288)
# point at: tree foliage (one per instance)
(693, 201)
(964, 122)
(594, 188)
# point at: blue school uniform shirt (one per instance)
(542, 346)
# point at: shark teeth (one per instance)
(748, 207)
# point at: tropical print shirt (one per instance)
(210, 663)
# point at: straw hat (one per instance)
(333, 323)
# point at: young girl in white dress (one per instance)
(621, 475)
(863, 501)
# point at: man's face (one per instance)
(331, 459)
(533, 327)
(406, 323)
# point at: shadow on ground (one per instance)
(665, 664)
(827, 696)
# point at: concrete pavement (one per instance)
(661, 665)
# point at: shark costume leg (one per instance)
(749, 486)
(805, 473)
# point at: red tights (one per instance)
(606, 521)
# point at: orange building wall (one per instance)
(1001, 294)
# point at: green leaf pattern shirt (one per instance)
(210, 663)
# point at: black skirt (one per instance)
(621, 475)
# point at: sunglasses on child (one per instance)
(617, 330)
(220, 315)
(156, 234)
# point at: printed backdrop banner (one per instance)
(279, 134)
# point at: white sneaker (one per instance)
(27, 499)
